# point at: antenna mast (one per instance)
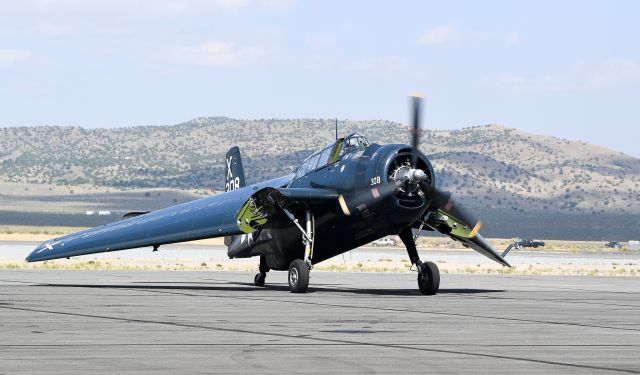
(336, 128)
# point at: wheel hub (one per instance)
(293, 276)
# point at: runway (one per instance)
(16, 251)
(79, 322)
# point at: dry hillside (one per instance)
(487, 166)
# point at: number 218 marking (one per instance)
(375, 180)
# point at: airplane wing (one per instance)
(446, 223)
(209, 217)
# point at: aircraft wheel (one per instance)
(259, 279)
(429, 279)
(298, 276)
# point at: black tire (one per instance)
(429, 279)
(298, 276)
(259, 279)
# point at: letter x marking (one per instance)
(229, 174)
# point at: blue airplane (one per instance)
(344, 196)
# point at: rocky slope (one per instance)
(487, 167)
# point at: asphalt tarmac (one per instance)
(17, 251)
(80, 322)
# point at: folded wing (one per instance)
(204, 218)
(444, 222)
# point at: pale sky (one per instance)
(565, 68)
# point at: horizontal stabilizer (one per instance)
(134, 214)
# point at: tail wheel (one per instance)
(260, 279)
(429, 279)
(298, 276)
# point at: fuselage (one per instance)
(335, 233)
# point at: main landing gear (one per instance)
(428, 273)
(262, 276)
(428, 278)
(298, 276)
(298, 269)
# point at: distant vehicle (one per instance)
(613, 245)
(384, 241)
(528, 243)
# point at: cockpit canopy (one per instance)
(332, 153)
(355, 141)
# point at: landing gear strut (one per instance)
(299, 268)
(428, 273)
(264, 268)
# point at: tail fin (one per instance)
(234, 174)
(233, 179)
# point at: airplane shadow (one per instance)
(374, 291)
(249, 287)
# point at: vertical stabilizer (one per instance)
(234, 173)
(233, 179)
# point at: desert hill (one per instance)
(486, 166)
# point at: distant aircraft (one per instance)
(346, 195)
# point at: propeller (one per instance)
(359, 199)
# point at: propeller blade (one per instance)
(359, 200)
(439, 199)
(442, 200)
(416, 103)
(458, 211)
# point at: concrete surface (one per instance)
(79, 322)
